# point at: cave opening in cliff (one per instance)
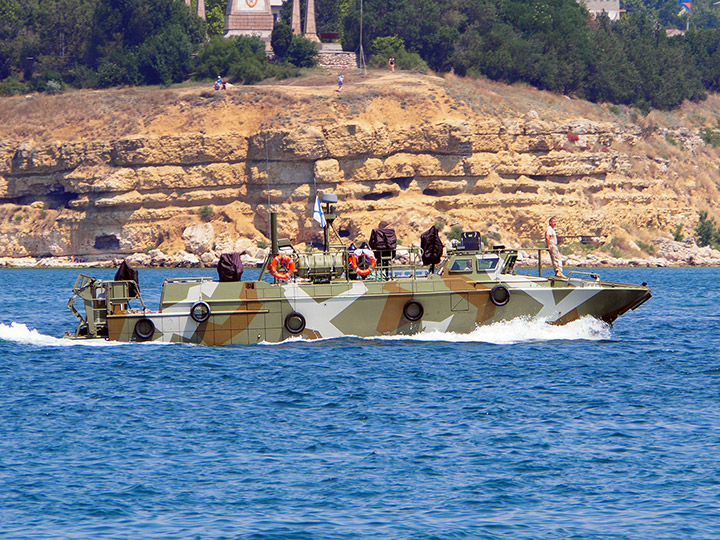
(378, 196)
(107, 242)
(55, 198)
(403, 182)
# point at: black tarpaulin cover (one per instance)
(383, 242)
(230, 267)
(125, 272)
(383, 239)
(431, 245)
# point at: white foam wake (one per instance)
(20, 333)
(514, 331)
(520, 330)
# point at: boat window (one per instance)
(510, 264)
(487, 263)
(462, 265)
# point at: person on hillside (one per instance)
(551, 243)
(391, 63)
(220, 84)
(341, 79)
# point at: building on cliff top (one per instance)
(257, 17)
(610, 7)
(249, 17)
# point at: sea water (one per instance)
(520, 430)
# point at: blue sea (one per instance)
(517, 431)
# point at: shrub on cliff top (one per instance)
(205, 213)
(384, 47)
(707, 232)
(281, 38)
(240, 60)
(302, 52)
(12, 87)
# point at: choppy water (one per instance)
(518, 431)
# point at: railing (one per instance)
(594, 276)
(336, 263)
(118, 295)
(591, 275)
(386, 267)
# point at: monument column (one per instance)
(310, 31)
(296, 18)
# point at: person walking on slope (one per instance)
(551, 243)
(391, 63)
(341, 79)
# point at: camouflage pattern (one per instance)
(471, 288)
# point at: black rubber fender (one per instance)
(200, 312)
(500, 295)
(144, 328)
(295, 323)
(413, 310)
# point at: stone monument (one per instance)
(296, 28)
(249, 17)
(310, 32)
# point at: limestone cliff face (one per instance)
(406, 162)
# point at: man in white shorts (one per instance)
(551, 243)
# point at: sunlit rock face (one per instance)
(203, 177)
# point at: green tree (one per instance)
(384, 47)
(252, 66)
(706, 232)
(239, 59)
(545, 43)
(302, 52)
(216, 57)
(138, 28)
(665, 66)
(417, 22)
(328, 14)
(704, 47)
(611, 77)
(281, 38)
(166, 57)
(215, 14)
(10, 26)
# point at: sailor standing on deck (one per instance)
(551, 243)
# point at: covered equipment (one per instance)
(125, 272)
(432, 246)
(230, 267)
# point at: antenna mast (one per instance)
(362, 53)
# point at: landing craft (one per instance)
(365, 291)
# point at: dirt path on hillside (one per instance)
(85, 115)
(377, 98)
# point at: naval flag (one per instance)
(318, 214)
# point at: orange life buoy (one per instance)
(284, 261)
(366, 254)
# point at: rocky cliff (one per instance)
(121, 171)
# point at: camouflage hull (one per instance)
(347, 291)
(212, 313)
